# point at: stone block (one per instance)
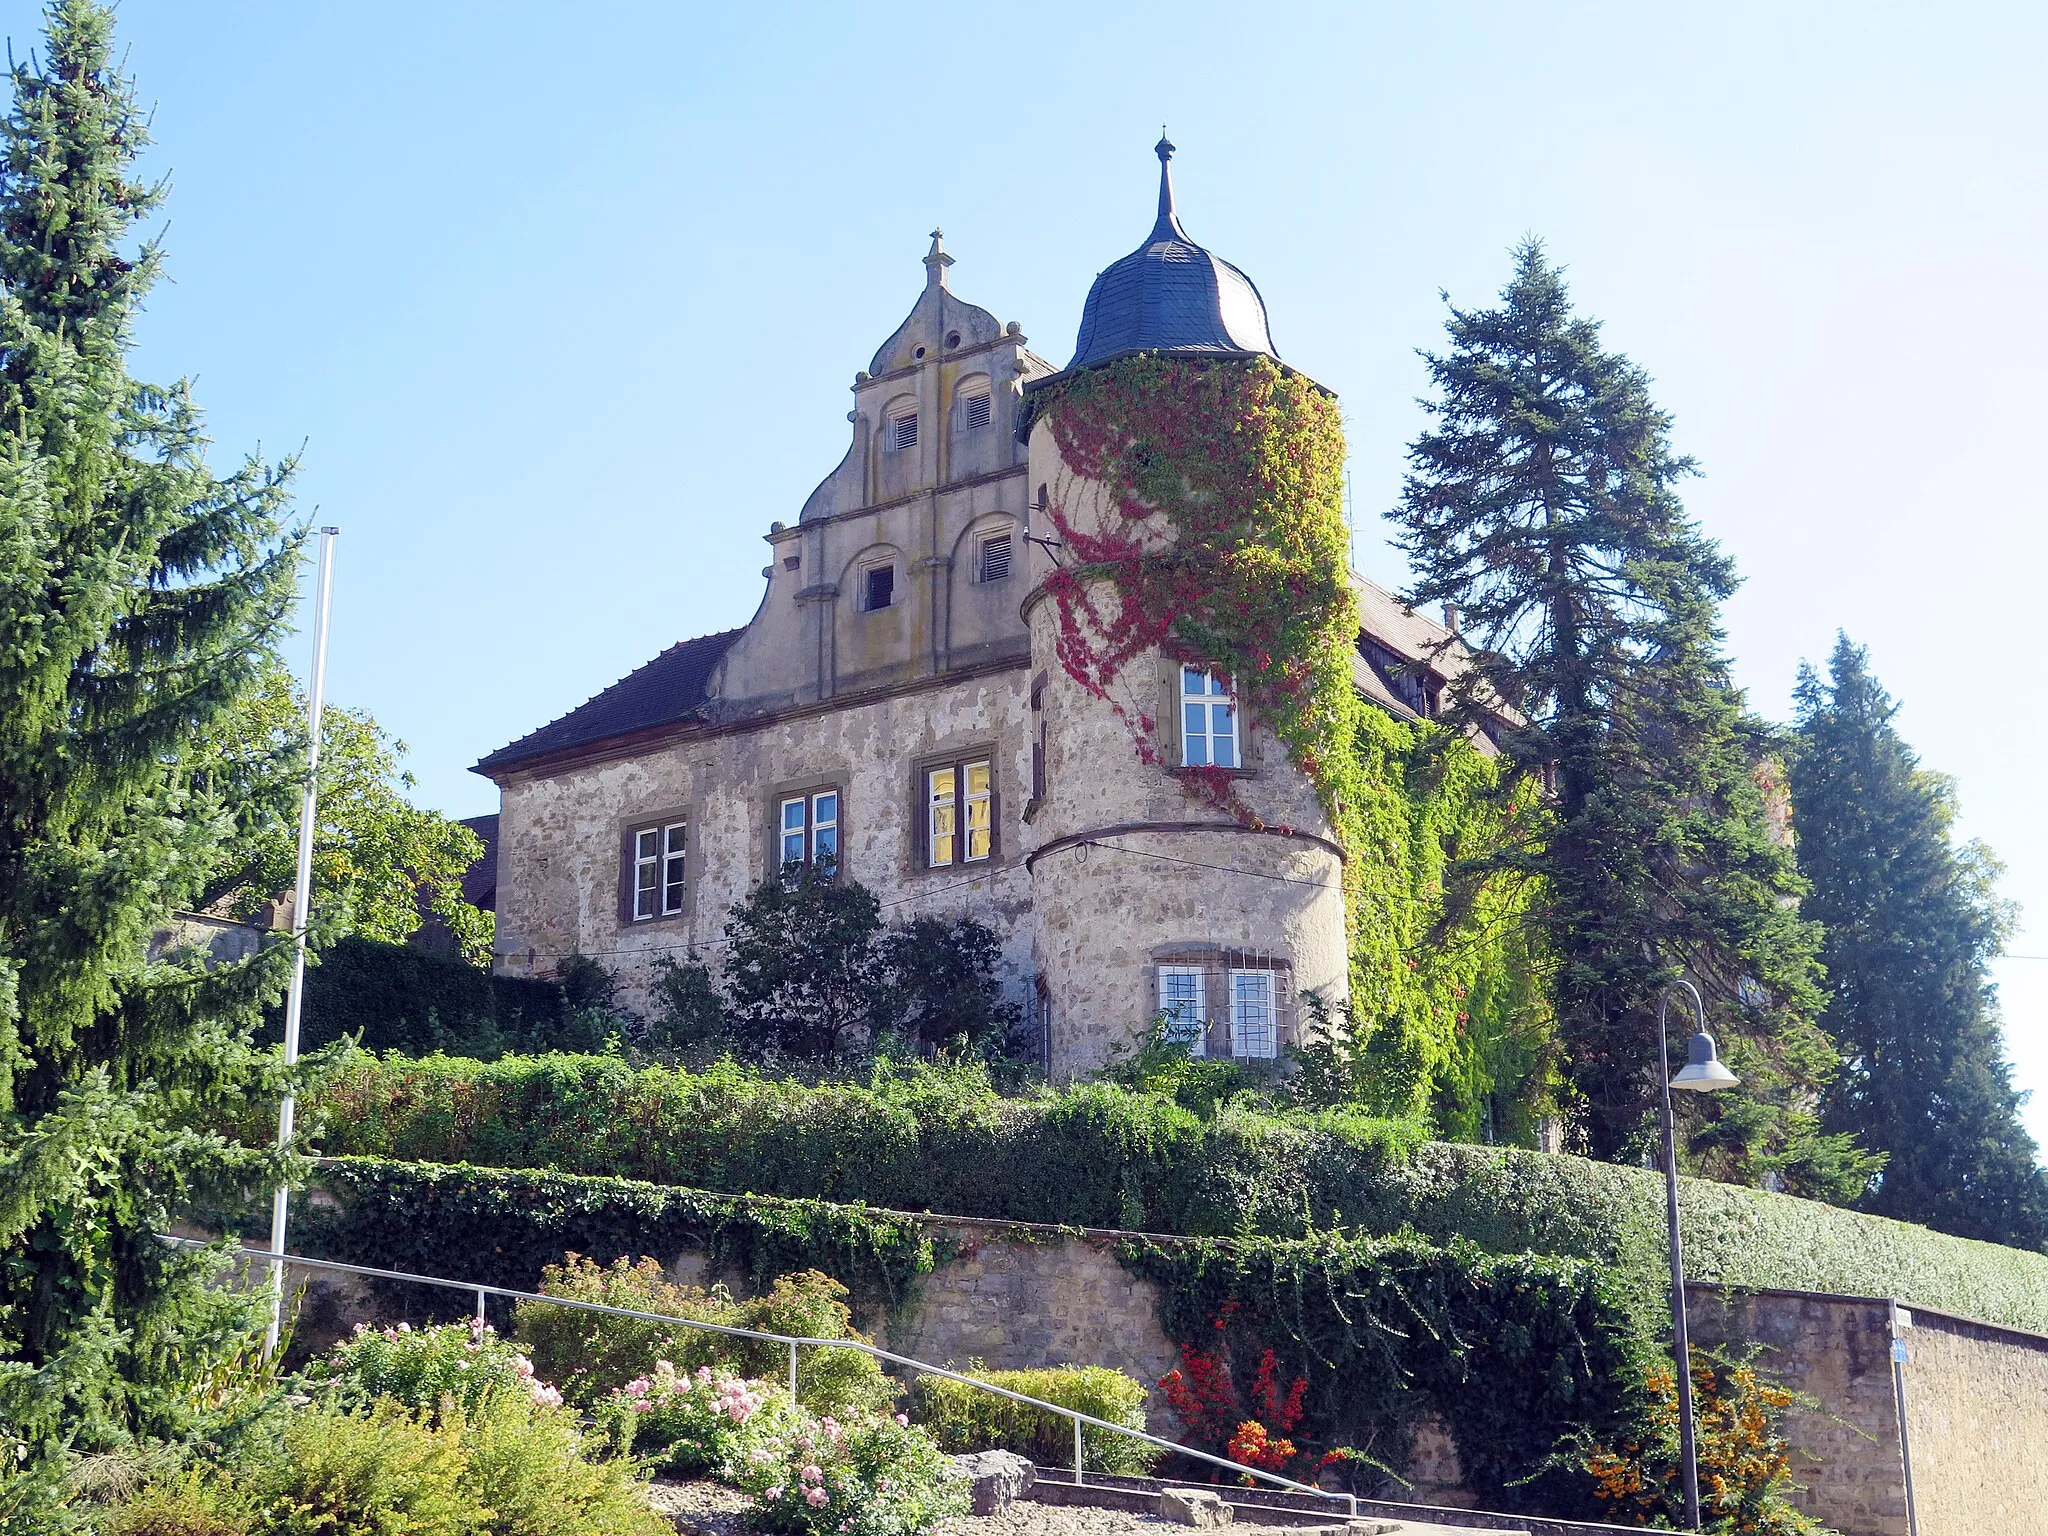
(1201, 1507)
(996, 1479)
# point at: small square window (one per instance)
(995, 557)
(903, 432)
(881, 587)
(1208, 736)
(1184, 1007)
(978, 410)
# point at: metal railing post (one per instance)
(792, 1370)
(479, 1305)
(1077, 1450)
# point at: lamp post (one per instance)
(1702, 1073)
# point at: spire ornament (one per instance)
(936, 261)
(1167, 226)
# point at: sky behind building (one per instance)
(563, 302)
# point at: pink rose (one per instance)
(903, 1419)
(773, 1493)
(817, 1498)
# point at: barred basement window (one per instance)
(1184, 1007)
(995, 557)
(658, 868)
(902, 431)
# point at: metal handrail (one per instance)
(758, 1336)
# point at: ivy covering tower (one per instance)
(1543, 503)
(138, 595)
(1913, 922)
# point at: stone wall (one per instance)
(1976, 1410)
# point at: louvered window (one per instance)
(978, 410)
(903, 431)
(995, 557)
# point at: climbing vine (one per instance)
(1222, 545)
(1204, 518)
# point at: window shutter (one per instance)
(995, 557)
(903, 431)
(979, 410)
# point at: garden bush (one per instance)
(963, 1419)
(877, 1475)
(458, 1363)
(940, 1139)
(701, 1423)
(593, 1354)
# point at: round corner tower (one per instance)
(1180, 863)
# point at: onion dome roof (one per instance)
(1171, 295)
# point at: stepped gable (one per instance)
(670, 689)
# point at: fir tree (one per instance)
(1543, 502)
(1913, 922)
(137, 593)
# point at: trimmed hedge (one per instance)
(401, 999)
(1101, 1156)
(503, 1227)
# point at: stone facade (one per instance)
(901, 634)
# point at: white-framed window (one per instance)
(1208, 715)
(809, 831)
(992, 559)
(959, 813)
(1184, 1004)
(900, 432)
(878, 587)
(1254, 1022)
(658, 871)
(977, 407)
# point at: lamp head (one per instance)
(1703, 1072)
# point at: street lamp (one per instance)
(1702, 1073)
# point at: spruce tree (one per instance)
(1913, 922)
(1543, 502)
(138, 592)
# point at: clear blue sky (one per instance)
(564, 300)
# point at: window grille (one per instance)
(978, 410)
(1208, 711)
(903, 431)
(1183, 1005)
(959, 814)
(1254, 1024)
(658, 870)
(995, 557)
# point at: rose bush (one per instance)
(420, 1367)
(701, 1422)
(876, 1476)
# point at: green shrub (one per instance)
(336, 1472)
(963, 1419)
(192, 1505)
(592, 1353)
(877, 1475)
(424, 1368)
(942, 1139)
(535, 1473)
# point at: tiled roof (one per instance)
(668, 690)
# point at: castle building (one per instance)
(895, 710)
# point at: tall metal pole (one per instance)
(1681, 1341)
(302, 903)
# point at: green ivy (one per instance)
(502, 1227)
(1515, 1352)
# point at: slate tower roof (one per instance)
(1171, 295)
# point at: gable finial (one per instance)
(1168, 225)
(936, 261)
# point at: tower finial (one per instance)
(1168, 225)
(936, 261)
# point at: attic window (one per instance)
(881, 587)
(952, 338)
(978, 409)
(903, 432)
(995, 557)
